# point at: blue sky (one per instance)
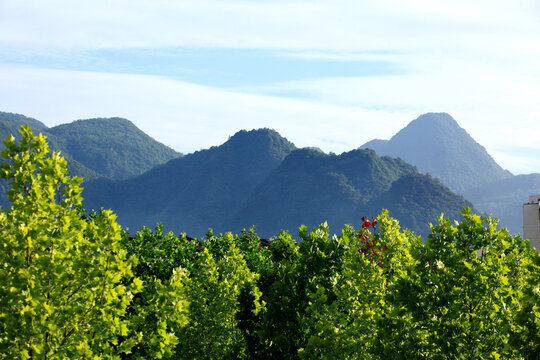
(331, 74)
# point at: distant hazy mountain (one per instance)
(505, 198)
(198, 191)
(437, 145)
(258, 178)
(310, 187)
(255, 178)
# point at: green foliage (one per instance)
(114, 148)
(343, 319)
(65, 282)
(71, 286)
(464, 290)
(525, 330)
(214, 290)
(160, 311)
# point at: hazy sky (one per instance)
(332, 74)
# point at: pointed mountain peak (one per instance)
(439, 118)
(436, 144)
(430, 126)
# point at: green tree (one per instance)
(525, 333)
(343, 320)
(65, 281)
(159, 312)
(220, 275)
(464, 291)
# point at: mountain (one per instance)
(11, 122)
(94, 148)
(417, 200)
(255, 178)
(505, 198)
(259, 178)
(310, 187)
(197, 191)
(437, 145)
(113, 147)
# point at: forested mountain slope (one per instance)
(113, 148)
(258, 178)
(198, 191)
(341, 189)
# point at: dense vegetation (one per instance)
(113, 148)
(73, 285)
(191, 192)
(246, 181)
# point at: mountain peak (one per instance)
(436, 144)
(438, 117)
(432, 128)
(114, 147)
(255, 134)
(266, 142)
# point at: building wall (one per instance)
(531, 221)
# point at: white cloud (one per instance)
(478, 60)
(346, 25)
(190, 117)
(185, 116)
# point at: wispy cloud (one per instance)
(192, 72)
(185, 116)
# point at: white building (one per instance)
(531, 221)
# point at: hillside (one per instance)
(113, 147)
(310, 188)
(417, 200)
(10, 124)
(258, 178)
(437, 145)
(197, 191)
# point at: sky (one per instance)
(329, 74)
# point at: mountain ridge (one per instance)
(453, 157)
(255, 178)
